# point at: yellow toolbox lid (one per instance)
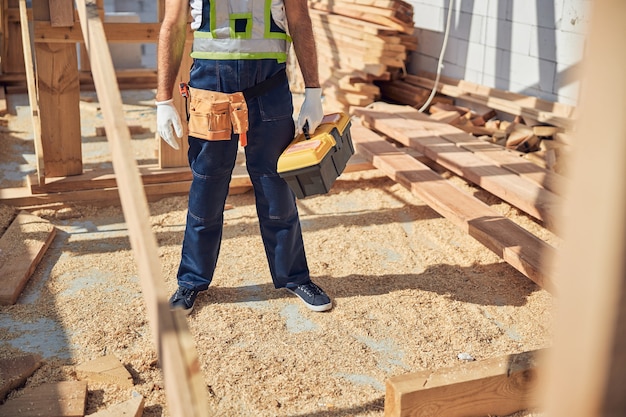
(303, 153)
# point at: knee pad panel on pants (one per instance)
(275, 200)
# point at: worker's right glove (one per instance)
(168, 123)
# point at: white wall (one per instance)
(146, 12)
(525, 46)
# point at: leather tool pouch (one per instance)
(214, 115)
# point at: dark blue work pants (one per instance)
(271, 129)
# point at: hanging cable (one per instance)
(440, 62)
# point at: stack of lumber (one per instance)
(358, 42)
(538, 128)
(382, 133)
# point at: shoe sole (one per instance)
(320, 308)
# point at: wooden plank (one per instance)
(129, 408)
(115, 33)
(586, 369)
(497, 386)
(516, 246)
(61, 13)
(337, 20)
(495, 154)
(12, 59)
(15, 370)
(535, 109)
(23, 198)
(518, 191)
(59, 95)
(58, 399)
(128, 79)
(102, 178)
(22, 246)
(183, 380)
(395, 12)
(107, 369)
(168, 156)
(375, 15)
(32, 92)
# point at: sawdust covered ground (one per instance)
(411, 290)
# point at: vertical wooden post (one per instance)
(61, 13)
(586, 370)
(12, 59)
(168, 156)
(59, 94)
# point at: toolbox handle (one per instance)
(305, 130)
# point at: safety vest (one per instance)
(239, 29)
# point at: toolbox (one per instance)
(312, 163)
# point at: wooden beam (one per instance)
(23, 198)
(498, 386)
(59, 96)
(32, 92)
(168, 156)
(491, 152)
(107, 369)
(184, 383)
(512, 103)
(426, 137)
(15, 370)
(115, 33)
(516, 246)
(586, 372)
(54, 399)
(61, 13)
(129, 408)
(22, 246)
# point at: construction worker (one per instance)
(239, 50)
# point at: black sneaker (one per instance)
(183, 299)
(313, 296)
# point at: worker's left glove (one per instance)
(168, 123)
(311, 112)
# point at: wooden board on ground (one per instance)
(426, 137)
(107, 369)
(493, 153)
(14, 372)
(519, 248)
(515, 104)
(21, 248)
(130, 408)
(497, 386)
(60, 399)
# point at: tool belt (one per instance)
(214, 116)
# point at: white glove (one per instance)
(311, 110)
(168, 118)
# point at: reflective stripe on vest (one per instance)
(233, 31)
